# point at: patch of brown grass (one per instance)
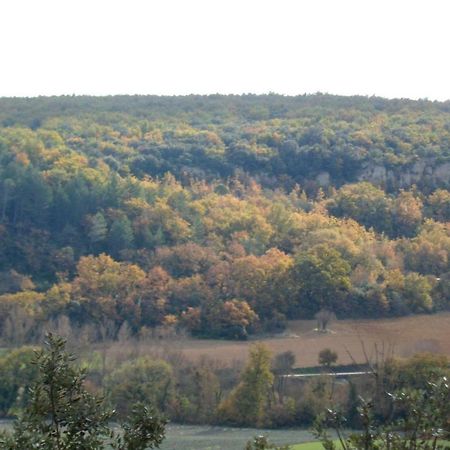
(401, 337)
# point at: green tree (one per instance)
(248, 402)
(144, 380)
(62, 415)
(417, 293)
(121, 236)
(16, 375)
(323, 279)
(98, 230)
(423, 423)
(365, 203)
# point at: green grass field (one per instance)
(308, 446)
(318, 445)
(195, 437)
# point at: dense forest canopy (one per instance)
(222, 215)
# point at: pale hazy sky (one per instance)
(395, 48)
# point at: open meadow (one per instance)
(401, 337)
(193, 437)
(183, 437)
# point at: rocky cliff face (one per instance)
(426, 172)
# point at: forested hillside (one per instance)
(220, 215)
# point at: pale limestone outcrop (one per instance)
(426, 171)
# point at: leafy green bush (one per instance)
(62, 415)
(143, 380)
(16, 375)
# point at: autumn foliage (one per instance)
(222, 216)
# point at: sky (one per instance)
(395, 48)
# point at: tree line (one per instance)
(155, 387)
(205, 214)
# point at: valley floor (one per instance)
(190, 437)
(401, 337)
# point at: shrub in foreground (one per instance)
(62, 415)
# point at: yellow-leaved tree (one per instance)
(248, 403)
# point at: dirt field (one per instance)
(402, 337)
